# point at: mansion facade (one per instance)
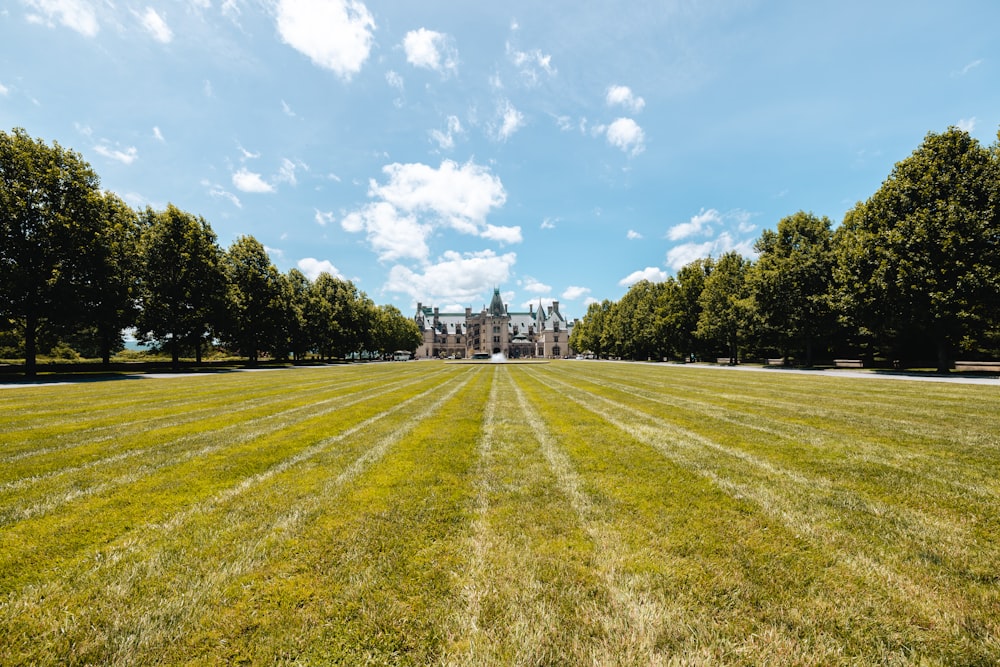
(494, 330)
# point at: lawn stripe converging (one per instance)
(486, 514)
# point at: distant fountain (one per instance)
(498, 358)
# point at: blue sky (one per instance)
(431, 150)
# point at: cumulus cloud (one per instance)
(460, 196)
(684, 254)
(549, 223)
(248, 181)
(418, 199)
(392, 234)
(430, 50)
(573, 292)
(454, 278)
(626, 135)
(127, 156)
(650, 273)
(312, 268)
(336, 34)
(633, 235)
(698, 224)
(77, 15)
(156, 26)
(286, 172)
(4, 90)
(158, 135)
(623, 96)
(503, 235)
(529, 284)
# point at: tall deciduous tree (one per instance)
(726, 304)
(111, 289)
(49, 224)
(183, 284)
(254, 298)
(588, 334)
(394, 331)
(792, 283)
(922, 255)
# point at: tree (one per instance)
(587, 335)
(726, 304)
(295, 295)
(111, 294)
(921, 258)
(394, 331)
(49, 223)
(183, 284)
(254, 298)
(792, 283)
(684, 317)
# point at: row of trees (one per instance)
(911, 276)
(78, 266)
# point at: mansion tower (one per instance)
(494, 330)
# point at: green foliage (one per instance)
(920, 260)
(792, 284)
(726, 305)
(253, 299)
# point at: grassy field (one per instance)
(567, 513)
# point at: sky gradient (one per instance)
(430, 151)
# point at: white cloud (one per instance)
(127, 156)
(531, 63)
(969, 67)
(158, 135)
(220, 192)
(287, 109)
(391, 234)
(246, 155)
(286, 173)
(504, 235)
(549, 223)
(430, 50)
(623, 96)
(323, 218)
(626, 135)
(394, 80)
(511, 120)
(455, 278)
(573, 292)
(684, 254)
(650, 273)
(75, 14)
(589, 300)
(529, 284)
(460, 196)
(967, 124)
(248, 181)
(312, 267)
(156, 26)
(4, 90)
(446, 139)
(335, 34)
(698, 224)
(633, 235)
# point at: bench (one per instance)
(992, 366)
(775, 362)
(848, 363)
(722, 361)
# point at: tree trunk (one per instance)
(105, 347)
(30, 344)
(175, 352)
(943, 358)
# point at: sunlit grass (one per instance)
(569, 513)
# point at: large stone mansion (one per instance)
(494, 330)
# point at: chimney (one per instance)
(555, 306)
(468, 312)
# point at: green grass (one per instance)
(566, 513)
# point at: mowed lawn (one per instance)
(565, 513)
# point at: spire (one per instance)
(496, 304)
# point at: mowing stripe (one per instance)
(932, 467)
(670, 441)
(636, 618)
(138, 563)
(271, 423)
